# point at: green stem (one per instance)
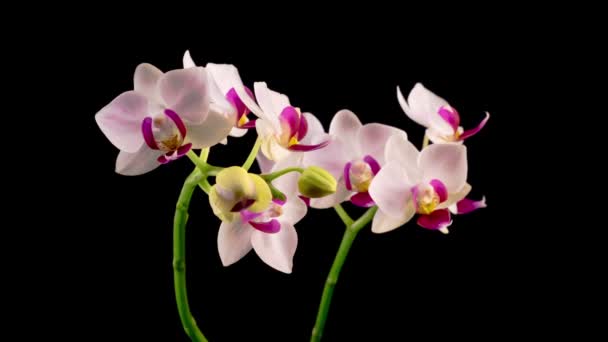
(343, 215)
(269, 177)
(252, 154)
(336, 267)
(204, 154)
(425, 141)
(179, 256)
(200, 164)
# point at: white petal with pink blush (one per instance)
(354, 156)
(162, 119)
(433, 112)
(226, 92)
(284, 129)
(423, 183)
(271, 233)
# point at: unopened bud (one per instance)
(316, 182)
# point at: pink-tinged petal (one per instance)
(445, 162)
(345, 125)
(237, 132)
(305, 199)
(182, 150)
(437, 220)
(264, 163)
(187, 60)
(226, 77)
(270, 227)
(332, 158)
(440, 189)
(146, 130)
(290, 120)
(341, 195)
(120, 121)
(186, 91)
(277, 250)
(233, 241)
(315, 132)
(454, 197)
(210, 132)
(373, 164)
(271, 103)
(294, 210)
(450, 115)
(417, 116)
(307, 148)
(466, 206)
(218, 98)
(346, 176)
(362, 199)
(471, 132)
(303, 128)
(372, 139)
(237, 103)
(423, 107)
(247, 215)
(288, 183)
(177, 120)
(383, 223)
(145, 81)
(401, 151)
(140, 162)
(390, 189)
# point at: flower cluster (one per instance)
(167, 115)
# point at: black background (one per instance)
(485, 279)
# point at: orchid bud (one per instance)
(316, 182)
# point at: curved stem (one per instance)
(200, 164)
(343, 215)
(336, 267)
(252, 154)
(269, 177)
(179, 256)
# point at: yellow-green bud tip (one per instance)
(316, 182)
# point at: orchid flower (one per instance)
(441, 120)
(268, 230)
(165, 116)
(282, 127)
(223, 79)
(426, 183)
(354, 156)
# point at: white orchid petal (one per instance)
(383, 223)
(138, 163)
(390, 189)
(403, 152)
(210, 132)
(372, 138)
(145, 81)
(276, 250)
(234, 241)
(345, 125)
(186, 92)
(445, 162)
(121, 120)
